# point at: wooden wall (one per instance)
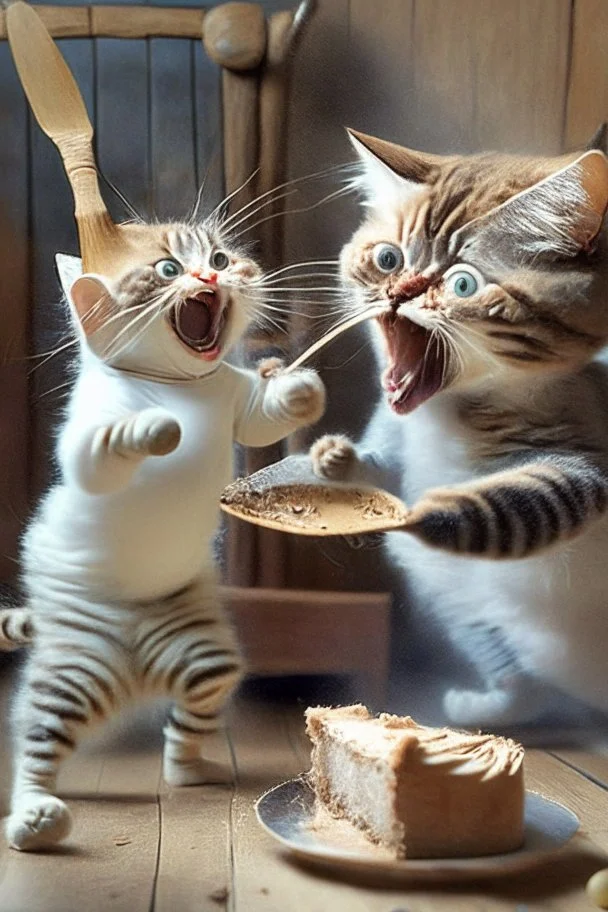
(440, 75)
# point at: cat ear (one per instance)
(390, 173)
(92, 301)
(69, 268)
(88, 296)
(560, 215)
(599, 140)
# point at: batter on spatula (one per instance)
(289, 497)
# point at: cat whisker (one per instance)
(326, 172)
(191, 220)
(109, 352)
(152, 307)
(311, 263)
(280, 282)
(287, 291)
(465, 339)
(129, 206)
(229, 228)
(349, 359)
(346, 319)
(50, 351)
(66, 384)
(50, 355)
(215, 214)
(343, 191)
(264, 319)
(288, 307)
(289, 311)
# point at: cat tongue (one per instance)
(194, 321)
(407, 345)
(417, 364)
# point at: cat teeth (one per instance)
(403, 386)
(406, 379)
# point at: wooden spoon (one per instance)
(61, 113)
(289, 497)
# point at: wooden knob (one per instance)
(234, 35)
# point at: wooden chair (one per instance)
(157, 97)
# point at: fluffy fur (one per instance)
(494, 426)
(122, 602)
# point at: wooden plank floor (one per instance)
(138, 846)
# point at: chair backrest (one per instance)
(174, 94)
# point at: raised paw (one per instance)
(197, 771)
(38, 822)
(332, 457)
(472, 708)
(270, 367)
(152, 432)
(523, 701)
(300, 395)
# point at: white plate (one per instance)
(287, 811)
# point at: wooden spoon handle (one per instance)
(328, 337)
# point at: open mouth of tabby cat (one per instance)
(198, 322)
(417, 363)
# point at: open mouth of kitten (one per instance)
(417, 365)
(198, 322)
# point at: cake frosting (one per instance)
(421, 792)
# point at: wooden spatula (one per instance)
(60, 111)
(288, 496)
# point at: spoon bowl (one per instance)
(289, 497)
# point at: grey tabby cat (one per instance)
(493, 272)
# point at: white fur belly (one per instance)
(136, 552)
(552, 608)
(434, 453)
(556, 613)
(149, 539)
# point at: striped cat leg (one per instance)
(59, 699)
(192, 655)
(200, 691)
(16, 628)
(514, 513)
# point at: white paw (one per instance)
(39, 821)
(197, 772)
(472, 708)
(270, 367)
(153, 432)
(300, 395)
(332, 457)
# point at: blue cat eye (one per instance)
(168, 269)
(387, 258)
(463, 283)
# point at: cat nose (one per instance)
(210, 279)
(408, 287)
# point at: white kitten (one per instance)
(117, 564)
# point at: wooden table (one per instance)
(138, 846)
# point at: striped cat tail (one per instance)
(16, 629)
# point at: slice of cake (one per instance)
(421, 792)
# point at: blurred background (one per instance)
(437, 75)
